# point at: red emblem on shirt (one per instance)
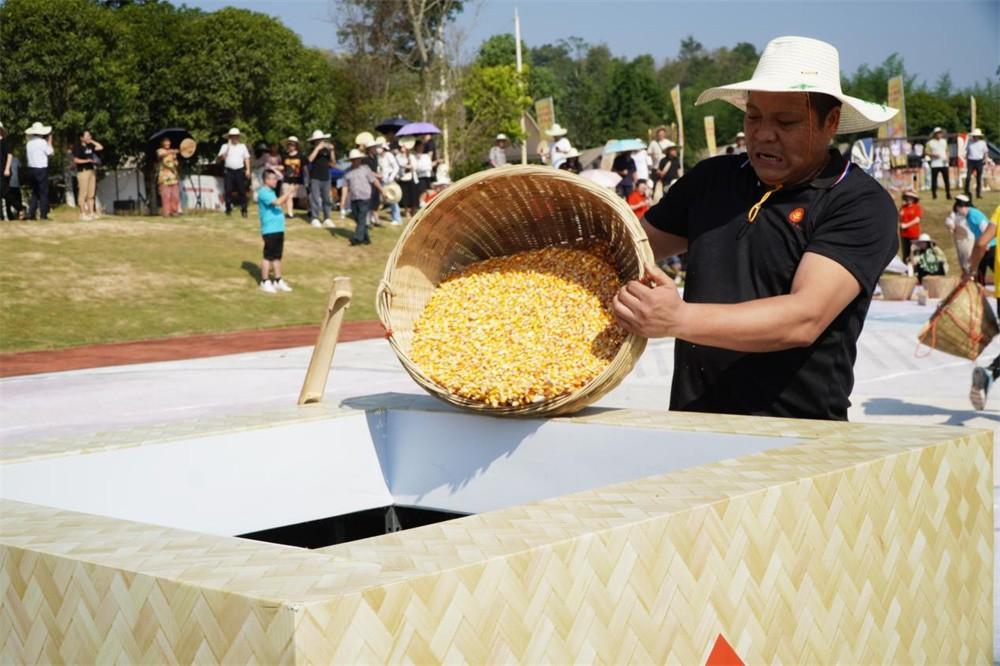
(796, 215)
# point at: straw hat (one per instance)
(912, 194)
(962, 199)
(501, 137)
(380, 142)
(937, 130)
(925, 238)
(407, 142)
(364, 139)
(39, 129)
(556, 130)
(667, 144)
(741, 135)
(292, 139)
(801, 64)
(392, 193)
(233, 131)
(975, 132)
(573, 152)
(355, 154)
(318, 135)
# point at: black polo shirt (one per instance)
(843, 214)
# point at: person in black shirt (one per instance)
(320, 158)
(86, 160)
(784, 247)
(624, 166)
(669, 168)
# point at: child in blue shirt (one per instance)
(270, 207)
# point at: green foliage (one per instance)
(925, 110)
(634, 101)
(494, 101)
(126, 69)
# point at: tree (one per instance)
(925, 111)
(494, 102)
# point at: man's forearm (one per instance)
(762, 325)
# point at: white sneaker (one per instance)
(328, 223)
(281, 285)
(396, 223)
(268, 287)
(316, 223)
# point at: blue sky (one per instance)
(957, 36)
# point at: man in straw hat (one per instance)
(976, 154)
(358, 183)
(236, 157)
(784, 248)
(38, 150)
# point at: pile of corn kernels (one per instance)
(520, 329)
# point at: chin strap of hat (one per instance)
(752, 213)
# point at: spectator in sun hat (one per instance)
(657, 147)
(927, 258)
(936, 150)
(560, 144)
(38, 150)
(388, 173)
(357, 192)
(320, 158)
(784, 245)
(498, 153)
(292, 170)
(976, 153)
(235, 156)
(572, 162)
(740, 143)
(909, 220)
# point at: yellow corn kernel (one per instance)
(521, 329)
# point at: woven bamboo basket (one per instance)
(939, 286)
(897, 287)
(497, 213)
(963, 324)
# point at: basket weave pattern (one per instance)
(498, 213)
(963, 325)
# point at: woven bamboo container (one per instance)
(963, 324)
(939, 286)
(500, 212)
(897, 287)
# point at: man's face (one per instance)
(785, 141)
(661, 134)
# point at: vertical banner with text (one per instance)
(710, 135)
(675, 96)
(897, 124)
(545, 114)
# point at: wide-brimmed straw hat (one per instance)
(925, 238)
(741, 135)
(408, 142)
(975, 132)
(39, 129)
(556, 130)
(292, 139)
(912, 194)
(364, 139)
(963, 199)
(501, 137)
(801, 64)
(936, 130)
(318, 135)
(233, 131)
(355, 154)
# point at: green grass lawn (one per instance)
(67, 283)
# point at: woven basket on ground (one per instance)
(963, 323)
(939, 286)
(497, 213)
(897, 287)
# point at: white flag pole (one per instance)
(517, 50)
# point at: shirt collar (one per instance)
(834, 172)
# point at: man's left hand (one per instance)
(650, 310)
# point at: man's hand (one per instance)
(650, 311)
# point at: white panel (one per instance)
(227, 484)
(471, 464)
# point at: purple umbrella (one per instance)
(414, 129)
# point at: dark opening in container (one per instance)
(351, 526)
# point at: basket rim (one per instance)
(626, 355)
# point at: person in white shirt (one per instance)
(976, 154)
(498, 153)
(740, 144)
(560, 146)
(388, 171)
(657, 146)
(236, 157)
(423, 167)
(38, 150)
(642, 163)
(937, 150)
